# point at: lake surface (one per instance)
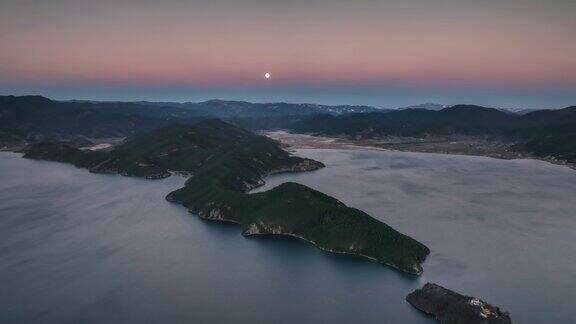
(81, 247)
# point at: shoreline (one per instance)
(483, 146)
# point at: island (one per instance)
(449, 307)
(226, 162)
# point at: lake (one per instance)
(81, 247)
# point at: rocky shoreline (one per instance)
(256, 230)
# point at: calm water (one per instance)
(80, 247)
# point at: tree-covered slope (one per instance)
(461, 119)
(31, 119)
(35, 118)
(227, 162)
(296, 210)
(543, 133)
(178, 147)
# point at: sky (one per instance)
(505, 53)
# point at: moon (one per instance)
(267, 75)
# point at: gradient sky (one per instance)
(384, 53)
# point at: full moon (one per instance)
(267, 75)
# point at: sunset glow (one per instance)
(519, 45)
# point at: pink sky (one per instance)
(508, 43)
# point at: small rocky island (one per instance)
(449, 307)
(226, 163)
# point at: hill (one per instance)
(227, 162)
(225, 109)
(243, 109)
(544, 133)
(31, 119)
(463, 119)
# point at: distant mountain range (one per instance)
(238, 109)
(30, 119)
(459, 119)
(35, 118)
(437, 107)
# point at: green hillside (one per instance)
(227, 162)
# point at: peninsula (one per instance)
(226, 163)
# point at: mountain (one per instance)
(29, 119)
(545, 133)
(464, 119)
(226, 163)
(459, 119)
(177, 147)
(550, 133)
(241, 109)
(34, 118)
